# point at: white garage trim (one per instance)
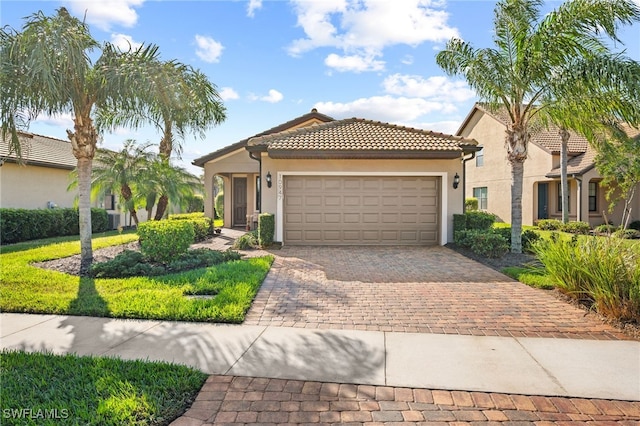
(280, 188)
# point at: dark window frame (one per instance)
(593, 199)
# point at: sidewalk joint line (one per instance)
(246, 350)
(31, 326)
(547, 372)
(132, 337)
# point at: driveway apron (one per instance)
(411, 289)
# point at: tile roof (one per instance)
(577, 165)
(41, 150)
(356, 135)
(314, 114)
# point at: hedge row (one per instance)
(18, 225)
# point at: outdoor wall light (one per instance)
(456, 181)
(268, 179)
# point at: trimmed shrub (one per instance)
(471, 204)
(202, 226)
(582, 228)
(459, 222)
(219, 205)
(550, 224)
(266, 229)
(487, 243)
(162, 241)
(480, 220)
(18, 225)
(529, 238)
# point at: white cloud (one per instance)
(364, 28)
(208, 49)
(64, 121)
(448, 127)
(355, 63)
(407, 60)
(273, 97)
(105, 13)
(227, 93)
(253, 6)
(124, 42)
(385, 108)
(436, 88)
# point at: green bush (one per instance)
(18, 225)
(202, 226)
(471, 204)
(582, 228)
(266, 229)
(529, 238)
(603, 271)
(634, 225)
(627, 234)
(480, 220)
(487, 243)
(459, 222)
(605, 228)
(162, 241)
(129, 263)
(246, 241)
(219, 205)
(550, 224)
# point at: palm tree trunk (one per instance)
(564, 180)
(517, 141)
(126, 193)
(84, 211)
(163, 202)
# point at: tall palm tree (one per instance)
(183, 101)
(516, 76)
(54, 73)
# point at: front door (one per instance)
(543, 201)
(239, 201)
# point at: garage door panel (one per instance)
(361, 210)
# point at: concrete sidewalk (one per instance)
(528, 366)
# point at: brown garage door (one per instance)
(376, 210)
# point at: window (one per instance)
(258, 193)
(480, 158)
(560, 196)
(593, 196)
(481, 195)
(109, 202)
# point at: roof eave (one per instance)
(363, 154)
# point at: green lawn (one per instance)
(46, 389)
(26, 288)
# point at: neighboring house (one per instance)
(41, 181)
(340, 182)
(488, 177)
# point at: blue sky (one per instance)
(276, 60)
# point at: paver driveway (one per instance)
(412, 289)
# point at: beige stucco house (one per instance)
(41, 181)
(342, 182)
(488, 175)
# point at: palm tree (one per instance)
(53, 73)
(121, 172)
(163, 181)
(516, 76)
(183, 100)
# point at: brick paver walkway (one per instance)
(245, 400)
(411, 289)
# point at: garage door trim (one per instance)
(442, 195)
